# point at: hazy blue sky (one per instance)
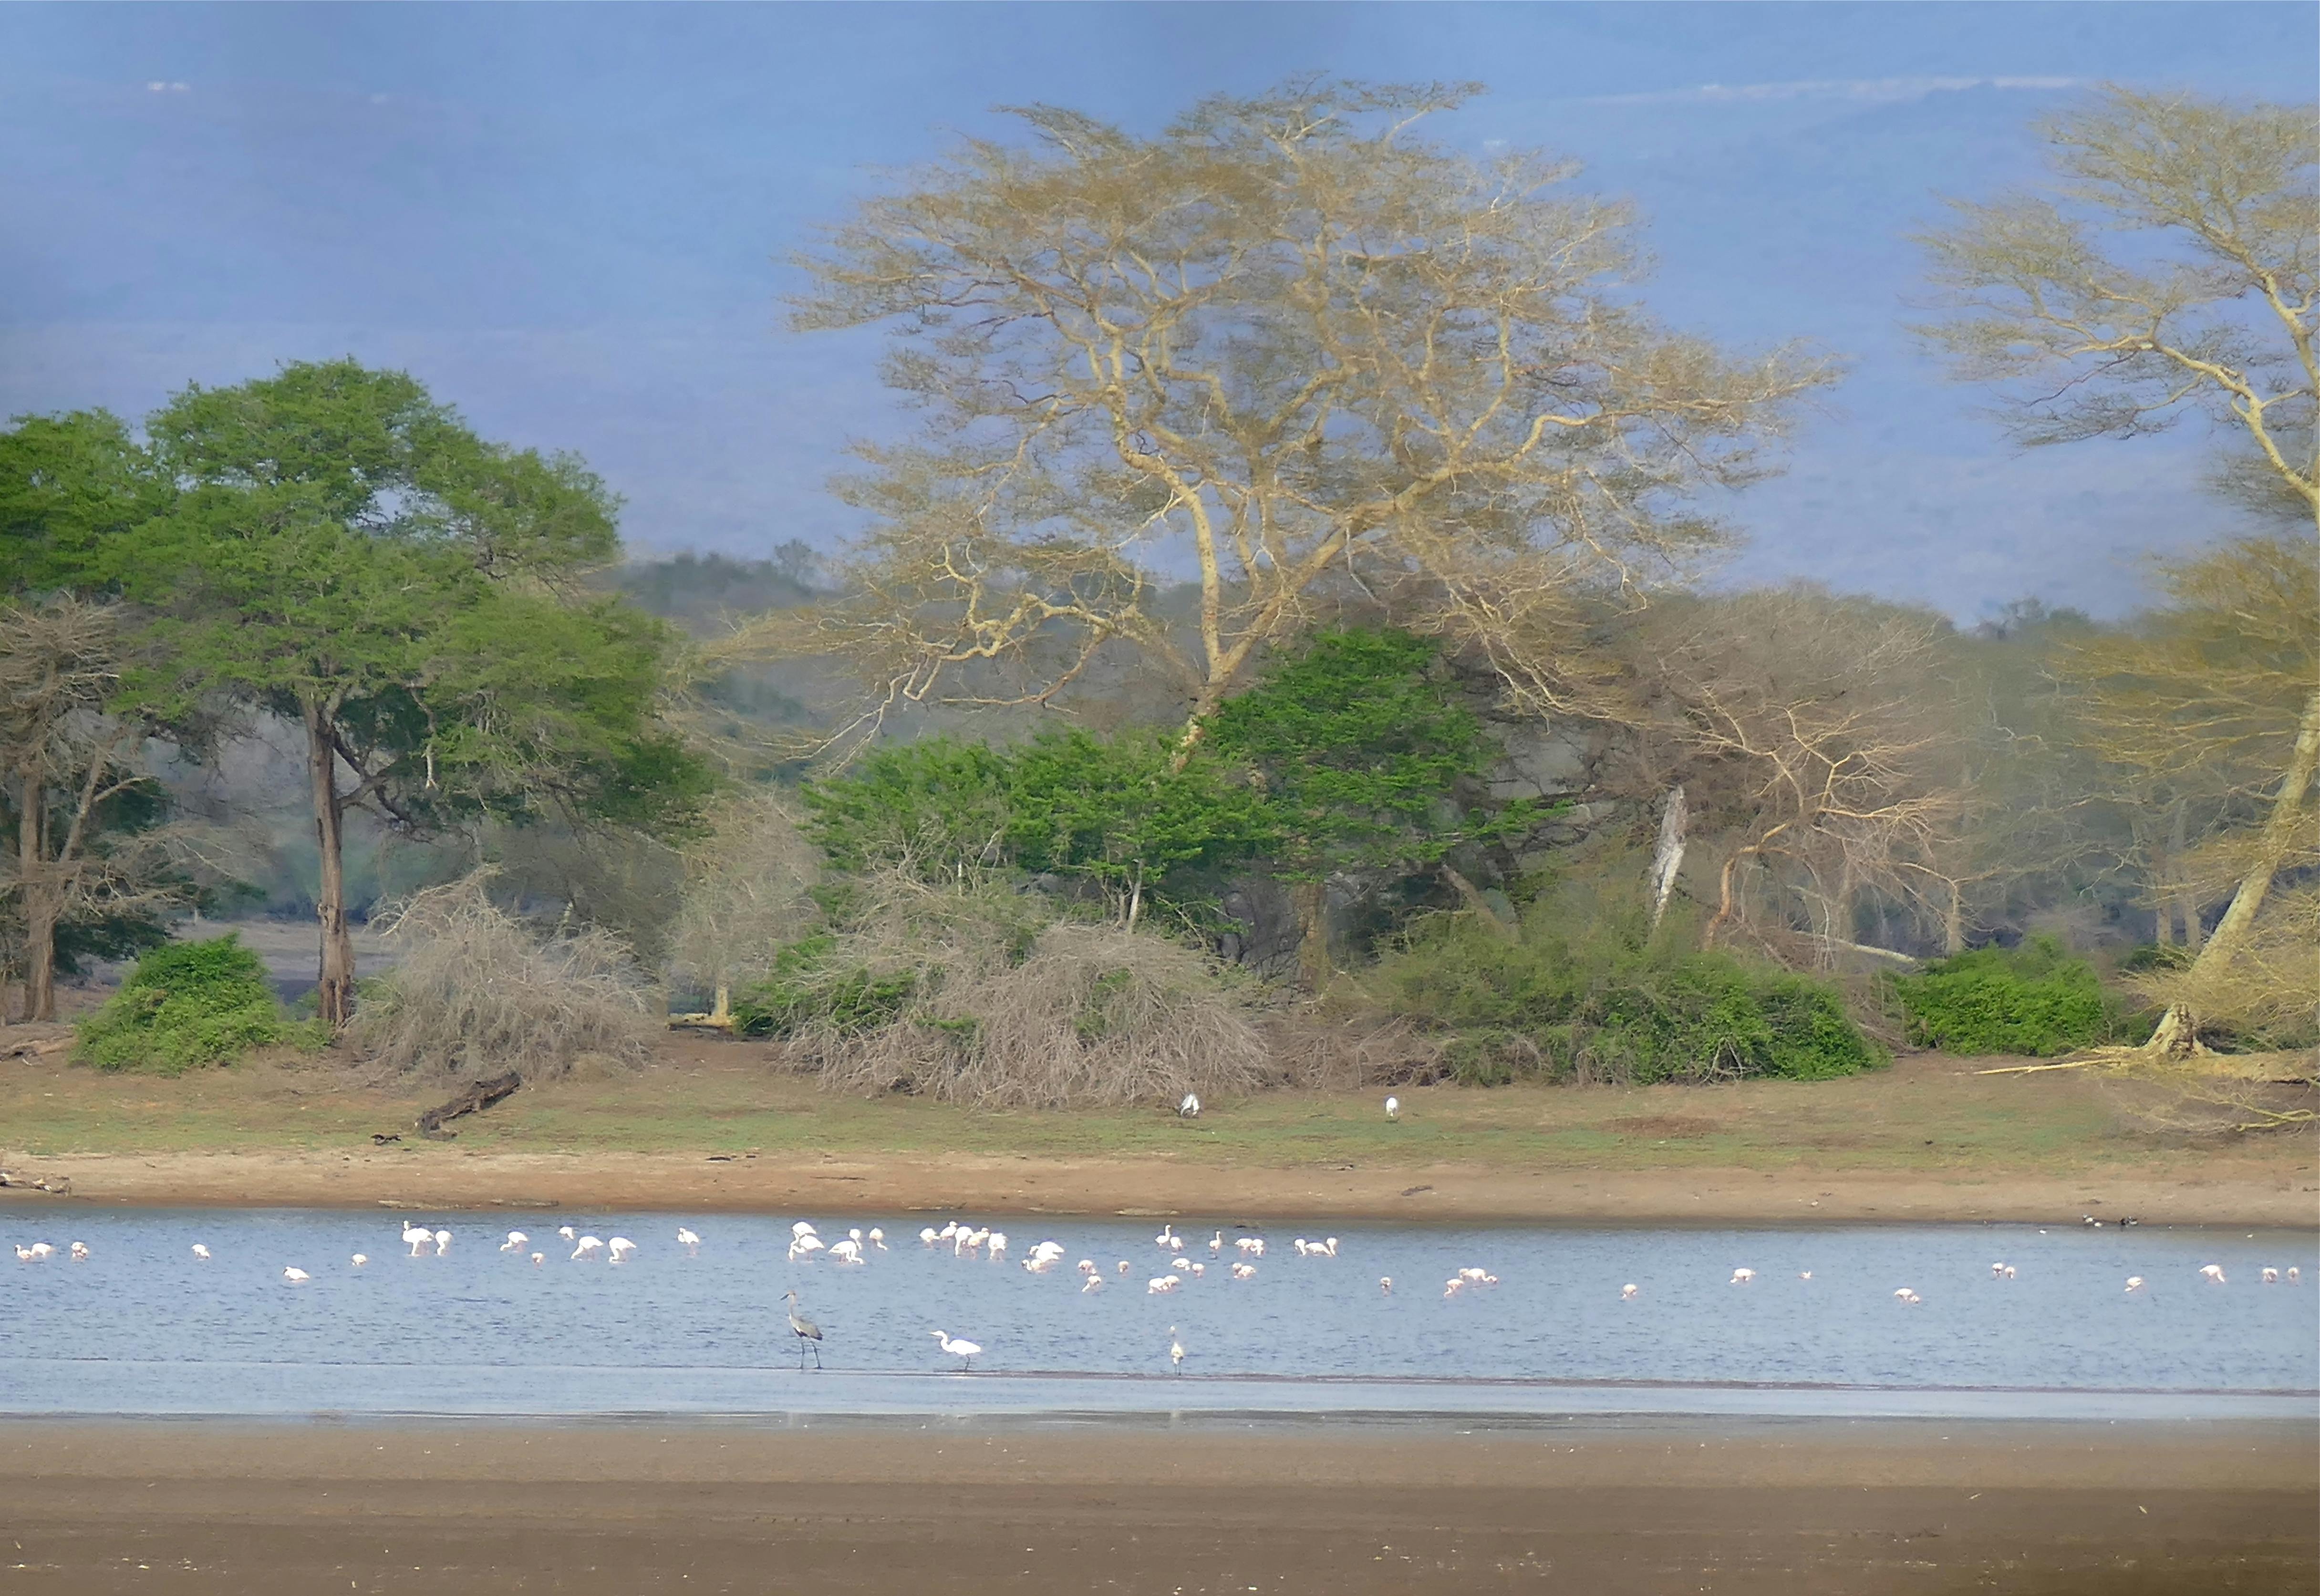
(569, 219)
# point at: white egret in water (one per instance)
(1393, 1108)
(965, 1351)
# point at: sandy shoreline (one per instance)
(1790, 1508)
(447, 1178)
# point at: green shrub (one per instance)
(1614, 1004)
(2035, 999)
(809, 987)
(184, 1005)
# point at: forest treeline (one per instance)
(1289, 645)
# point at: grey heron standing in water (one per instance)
(808, 1333)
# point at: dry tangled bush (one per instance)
(999, 1005)
(479, 990)
(747, 890)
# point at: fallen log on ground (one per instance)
(477, 1098)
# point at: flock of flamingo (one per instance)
(855, 1249)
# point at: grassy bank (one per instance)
(1929, 1115)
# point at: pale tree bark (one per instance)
(1311, 901)
(334, 982)
(2179, 1029)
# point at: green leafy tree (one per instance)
(68, 483)
(1361, 755)
(1130, 811)
(345, 553)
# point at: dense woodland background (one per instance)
(1293, 651)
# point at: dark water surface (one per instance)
(143, 1326)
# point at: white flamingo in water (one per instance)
(588, 1247)
(295, 1275)
(877, 1239)
(201, 1252)
(514, 1242)
(1626, 1293)
(79, 1250)
(2212, 1272)
(622, 1248)
(1742, 1277)
(1176, 1351)
(1162, 1283)
(359, 1259)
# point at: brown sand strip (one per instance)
(449, 1178)
(1796, 1508)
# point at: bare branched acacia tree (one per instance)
(1819, 746)
(2172, 271)
(69, 758)
(1286, 343)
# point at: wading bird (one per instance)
(442, 1242)
(1254, 1245)
(538, 1259)
(2271, 1277)
(359, 1259)
(1244, 1271)
(201, 1252)
(1906, 1295)
(1094, 1282)
(1216, 1244)
(688, 1241)
(588, 1247)
(1626, 1293)
(808, 1333)
(1176, 1351)
(1742, 1277)
(1123, 1265)
(514, 1242)
(927, 1236)
(1385, 1285)
(295, 1275)
(2135, 1283)
(964, 1351)
(2212, 1272)
(1162, 1283)
(42, 1252)
(79, 1250)
(622, 1248)
(565, 1231)
(877, 1239)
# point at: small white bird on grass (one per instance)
(1393, 1108)
(1190, 1108)
(295, 1275)
(964, 1351)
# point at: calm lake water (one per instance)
(143, 1326)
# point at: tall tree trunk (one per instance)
(1311, 899)
(2179, 1029)
(334, 983)
(38, 903)
(2186, 902)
